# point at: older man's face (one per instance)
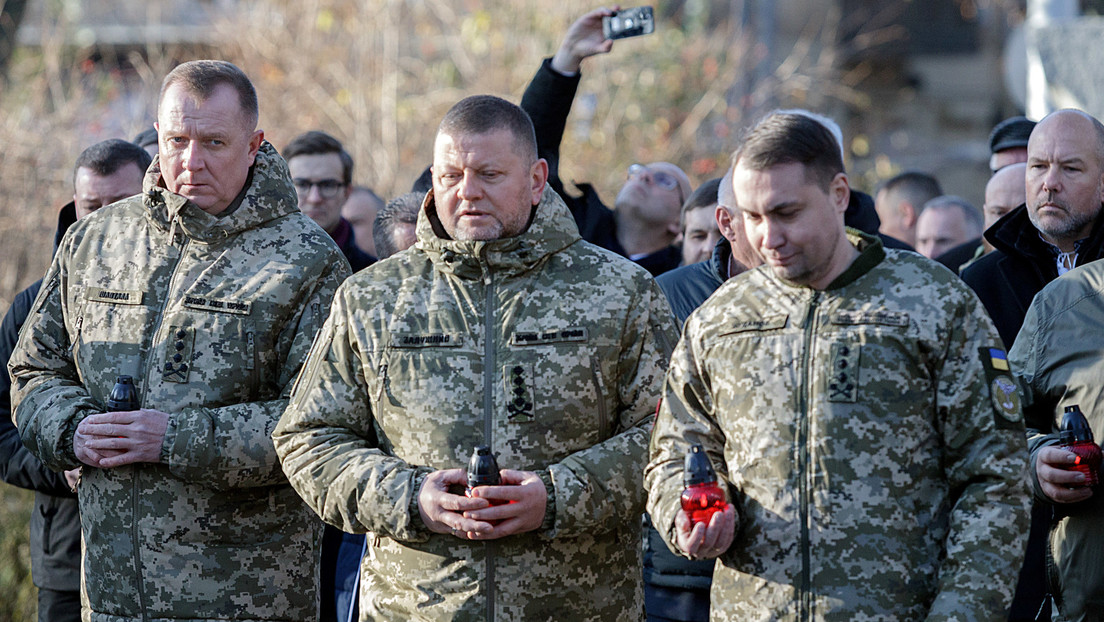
(482, 187)
(1065, 177)
(206, 147)
(940, 229)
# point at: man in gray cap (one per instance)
(1008, 142)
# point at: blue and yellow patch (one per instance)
(1003, 393)
(998, 359)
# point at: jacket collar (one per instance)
(268, 195)
(1015, 235)
(871, 253)
(552, 229)
(66, 217)
(718, 260)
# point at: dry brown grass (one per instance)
(379, 74)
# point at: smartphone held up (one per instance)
(629, 23)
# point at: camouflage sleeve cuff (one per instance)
(418, 530)
(549, 521)
(168, 440)
(69, 452)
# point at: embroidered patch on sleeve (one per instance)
(1003, 393)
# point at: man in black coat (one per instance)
(1058, 228)
(105, 172)
(645, 220)
(322, 172)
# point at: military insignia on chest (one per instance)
(843, 375)
(178, 354)
(519, 393)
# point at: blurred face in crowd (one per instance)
(701, 234)
(205, 147)
(1065, 177)
(360, 210)
(482, 187)
(1004, 192)
(744, 256)
(92, 191)
(794, 223)
(1006, 157)
(403, 235)
(939, 229)
(654, 193)
(319, 180)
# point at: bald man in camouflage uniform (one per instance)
(499, 327)
(207, 288)
(858, 410)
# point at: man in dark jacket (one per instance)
(677, 589)
(687, 287)
(322, 172)
(1056, 229)
(645, 220)
(104, 173)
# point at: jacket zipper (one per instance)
(603, 416)
(74, 347)
(488, 413)
(135, 488)
(805, 605)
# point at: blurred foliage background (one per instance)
(379, 74)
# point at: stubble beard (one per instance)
(1066, 229)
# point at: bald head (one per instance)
(1065, 176)
(1004, 192)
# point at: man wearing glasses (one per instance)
(322, 172)
(646, 214)
(644, 223)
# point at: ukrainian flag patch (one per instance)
(1003, 392)
(998, 359)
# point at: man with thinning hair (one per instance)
(207, 289)
(486, 332)
(858, 411)
(945, 222)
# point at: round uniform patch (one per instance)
(1005, 398)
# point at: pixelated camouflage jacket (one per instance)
(543, 346)
(1057, 359)
(868, 435)
(213, 317)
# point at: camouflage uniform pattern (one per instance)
(213, 316)
(873, 473)
(1057, 360)
(543, 346)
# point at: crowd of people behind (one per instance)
(885, 429)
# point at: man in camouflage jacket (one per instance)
(858, 411)
(499, 327)
(209, 297)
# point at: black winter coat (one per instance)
(1007, 279)
(55, 520)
